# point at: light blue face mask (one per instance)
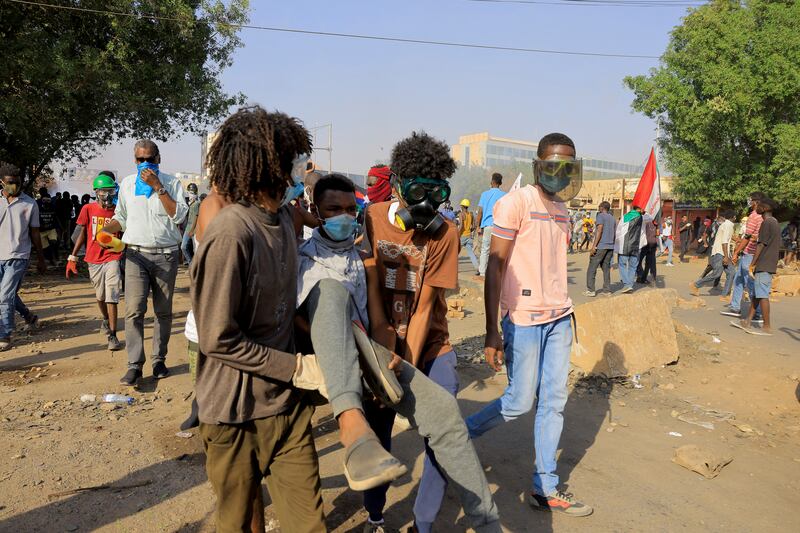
(143, 189)
(341, 227)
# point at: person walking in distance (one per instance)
(485, 218)
(602, 249)
(104, 264)
(743, 258)
(527, 281)
(647, 255)
(150, 208)
(630, 240)
(19, 227)
(763, 266)
(720, 260)
(666, 239)
(685, 232)
(466, 223)
(187, 244)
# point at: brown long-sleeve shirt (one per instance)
(243, 289)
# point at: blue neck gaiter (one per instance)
(143, 189)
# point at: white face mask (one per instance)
(192, 196)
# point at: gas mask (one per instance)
(106, 197)
(559, 176)
(422, 196)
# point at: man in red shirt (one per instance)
(104, 263)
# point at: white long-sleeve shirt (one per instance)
(144, 220)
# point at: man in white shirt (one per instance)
(150, 207)
(721, 252)
(666, 239)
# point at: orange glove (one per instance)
(72, 266)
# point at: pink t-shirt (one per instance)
(753, 225)
(534, 289)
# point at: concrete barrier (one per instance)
(625, 335)
(788, 284)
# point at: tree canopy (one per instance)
(73, 81)
(727, 95)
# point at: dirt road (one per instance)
(616, 446)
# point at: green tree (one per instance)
(73, 81)
(727, 96)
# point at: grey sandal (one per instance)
(368, 465)
(374, 360)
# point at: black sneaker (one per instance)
(160, 370)
(131, 377)
(194, 420)
(562, 502)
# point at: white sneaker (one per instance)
(590, 293)
(5, 344)
(669, 264)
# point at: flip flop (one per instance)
(737, 324)
(368, 465)
(374, 360)
(759, 333)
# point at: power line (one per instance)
(451, 44)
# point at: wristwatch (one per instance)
(162, 191)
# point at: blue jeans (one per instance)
(730, 277)
(627, 269)
(743, 278)
(668, 244)
(466, 244)
(537, 359)
(11, 273)
(187, 247)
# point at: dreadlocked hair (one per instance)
(253, 152)
(420, 155)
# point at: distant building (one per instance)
(485, 150)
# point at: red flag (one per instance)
(648, 193)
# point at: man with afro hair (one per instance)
(254, 423)
(414, 261)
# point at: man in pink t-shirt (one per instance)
(527, 281)
(742, 258)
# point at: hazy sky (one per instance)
(375, 93)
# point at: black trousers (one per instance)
(647, 257)
(601, 258)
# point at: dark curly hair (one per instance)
(7, 169)
(552, 139)
(253, 152)
(422, 156)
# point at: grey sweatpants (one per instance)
(146, 273)
(430, 408)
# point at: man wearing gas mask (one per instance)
(150, 207)
(104, 263)
(19, 226)
(414, 260)
(527, 280)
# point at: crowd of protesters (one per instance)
(304, 290)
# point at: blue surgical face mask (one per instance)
(341, 227)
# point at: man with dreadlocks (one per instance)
(414, 260)
(253, 422)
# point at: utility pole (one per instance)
(328, 148)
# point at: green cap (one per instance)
(103, 182)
